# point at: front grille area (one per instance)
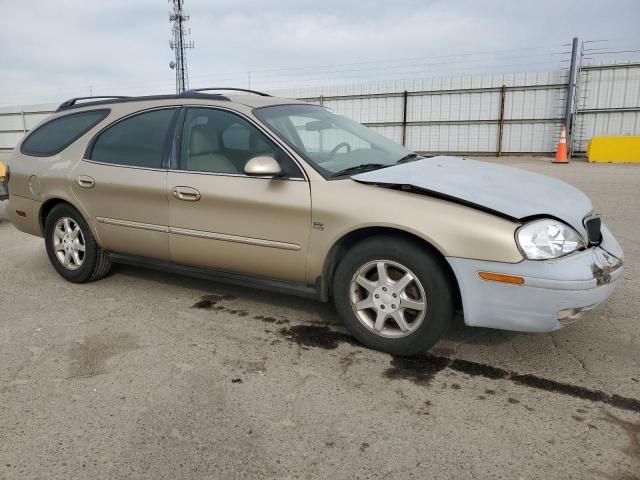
(592, 224)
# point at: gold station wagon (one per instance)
(289, 196)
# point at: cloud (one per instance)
(55, 50)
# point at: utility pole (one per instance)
(571, 89)
(179, 45)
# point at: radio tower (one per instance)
(179, 45)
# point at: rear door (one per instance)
(223, 219)
(122, 183)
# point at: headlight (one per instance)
(545, 239)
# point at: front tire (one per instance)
(393, 295)
(71, 247)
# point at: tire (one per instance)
(405, 331)
(62, 243)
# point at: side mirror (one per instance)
(263, 167)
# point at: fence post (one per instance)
(24, 122)
(404, 118)
(503, 94)
(571, 90)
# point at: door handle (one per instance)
(187, 194)
(85, 181)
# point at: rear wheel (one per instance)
(393, 295)
(71, 248)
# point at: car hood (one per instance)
(508, 191)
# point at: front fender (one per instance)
(344, 206)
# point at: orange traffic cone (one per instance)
(561, 150)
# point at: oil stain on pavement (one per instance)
(317, 336)
(88, 357)
(422, 369)
(210, 301)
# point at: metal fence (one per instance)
(515, 113)
(608, 102)
(483, 115)
(16, 121)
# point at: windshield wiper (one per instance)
(365, 167)
(407, 158)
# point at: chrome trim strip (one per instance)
(106, 164)
(233, 238)
(259, 177)
(127, 223)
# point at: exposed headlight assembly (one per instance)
(547, 238)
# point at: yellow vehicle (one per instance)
(285, 195)
(4, 190)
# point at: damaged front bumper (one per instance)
(554, 292)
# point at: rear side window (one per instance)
(137, 141)
(57, 134)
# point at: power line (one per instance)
(330, 78)
(388, 61)
(242, 74)
(317, 70)
(341, 73)
(256, 74)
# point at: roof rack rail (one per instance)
(192, 90)
(71, 102)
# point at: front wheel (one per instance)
(393, 295)
(71, 248)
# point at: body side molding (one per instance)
(234, 238)
(278, 286)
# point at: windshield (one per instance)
(333, 144)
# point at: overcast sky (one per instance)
(52, 50)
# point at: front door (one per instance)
(122, 184)
(223, 219)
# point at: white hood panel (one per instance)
(511, 191)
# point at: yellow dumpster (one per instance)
(614, 149)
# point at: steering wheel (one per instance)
(338, 147)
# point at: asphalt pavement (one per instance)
(147, 374)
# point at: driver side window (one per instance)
(216, 141)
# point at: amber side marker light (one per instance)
(498, 277)
(20, 213)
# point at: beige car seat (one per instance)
(204, 155)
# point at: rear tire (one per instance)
(71, 247)
(394, 295)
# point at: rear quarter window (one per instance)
(55, 135)
(136, 141)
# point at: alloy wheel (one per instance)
(388, 298)
(68, 243)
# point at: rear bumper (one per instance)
(28, 220)
(554, 292)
